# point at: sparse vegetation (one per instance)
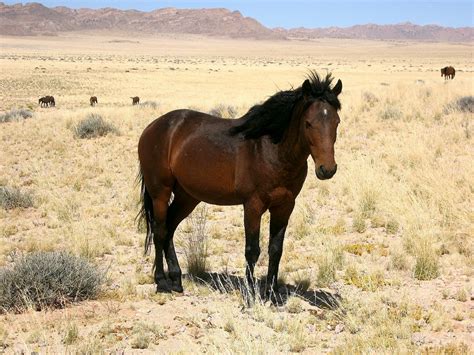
(15, 115)
(94, 126)
(150, 104)
(12, 197)
(224, 111)
(391, 113)
(71, 334)
(196, 247)
(327, 266)
(401, 181)
(47, 279)
(463, 104)
(426, 263)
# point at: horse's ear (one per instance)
(337, 88)
(306, 89)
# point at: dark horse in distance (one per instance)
(135, 100)
(448, 72)
(47, 101)
(258, 160)
(93, 100)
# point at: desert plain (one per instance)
(391, 234)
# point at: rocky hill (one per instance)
(36, 19)
(401, 31)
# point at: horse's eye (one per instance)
(307, 124)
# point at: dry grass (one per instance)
(391, 232)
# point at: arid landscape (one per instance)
(390, 235)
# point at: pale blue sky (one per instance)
(307, 13)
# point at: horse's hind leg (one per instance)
(160, 208)
(183, 204)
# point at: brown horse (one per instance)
(135, 100)
(93, 100)
(258, 160)
(448, 72)
(47, 101)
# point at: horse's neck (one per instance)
(293, 149)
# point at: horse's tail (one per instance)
(145, 215)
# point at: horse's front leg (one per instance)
(253, 211)
(279, 216)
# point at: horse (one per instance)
(258, 160)
(47, 101)
(448, 72)
(93, 100)
(135, 100)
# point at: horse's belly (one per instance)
(208, 177)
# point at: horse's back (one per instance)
(198, 152)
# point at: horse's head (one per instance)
(443, 71)
(320, 129)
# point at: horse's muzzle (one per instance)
(324, 174)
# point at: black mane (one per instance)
(272, 117)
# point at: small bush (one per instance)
(427, 265)
(463, 104)
(294, 305)
(391, 113)
(224, 111)
(47, 279)
(94, 126)
(326, 272)
(71, 335)
(369, 98)
(399, 261)
(150, 104)
(11, 197)
(15, 115)
(358, 223)
(392, 226)
(195, 247)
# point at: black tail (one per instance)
(146, 212)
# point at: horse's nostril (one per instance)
(323, 173)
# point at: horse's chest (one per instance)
(280, 195)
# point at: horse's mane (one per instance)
(272, 117)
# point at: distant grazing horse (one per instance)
(135, 100)
(47, 101)
(448, 72)
(93, 100)
(258, 160)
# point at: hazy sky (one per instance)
(307, 13)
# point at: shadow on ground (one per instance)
(223, 282)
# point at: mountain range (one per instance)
(36, 19)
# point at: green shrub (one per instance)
(15, 115)
(11, 197)
(47, 279)
(94, 126)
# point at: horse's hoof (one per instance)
(175, 287)
(162, 287)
